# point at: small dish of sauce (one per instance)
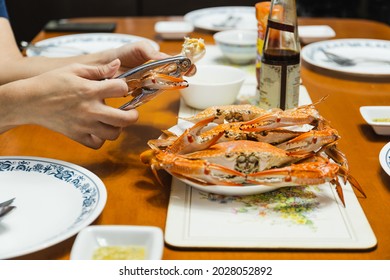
(381, 120)
(119, 253)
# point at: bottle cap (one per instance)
(262, 10)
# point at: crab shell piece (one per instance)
(193, 48)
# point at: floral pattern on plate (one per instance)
(54, 199)
(296, 205)
(79, 180)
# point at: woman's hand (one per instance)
(132, 55)
(70, 100)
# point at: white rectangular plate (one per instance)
(305, 218)
(313, 33)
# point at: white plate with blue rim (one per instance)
(367, 52)
(384, 158)
(76, 44)
(54, 200)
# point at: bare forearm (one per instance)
(13, 66)
(10, 96)
(25, 67)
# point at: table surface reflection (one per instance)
(134, 196)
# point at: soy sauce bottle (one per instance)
(280, 62)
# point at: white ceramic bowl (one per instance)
(239, 46)
(213, 85)
(378, 117)
(91, 238)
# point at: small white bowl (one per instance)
(213, 85)
(378, 117)
(174, 30)
(91, 238)
(239, 46)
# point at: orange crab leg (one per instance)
(187, 142)
(337, 155)
(354, 183)
(339, 190)
(309, 173)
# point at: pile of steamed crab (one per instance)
(240, 145)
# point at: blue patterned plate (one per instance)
(384, 158)
(54, 200)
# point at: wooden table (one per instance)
(134, 196)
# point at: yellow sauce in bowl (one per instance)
(119, 253)
(381, 120)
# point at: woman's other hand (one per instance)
(70, 100)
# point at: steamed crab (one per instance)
(303, 159)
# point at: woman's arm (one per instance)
(14, 66)
(69, 100)
(67, 95)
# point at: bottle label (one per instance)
(262, 14)
(260, 44)
(279, 86)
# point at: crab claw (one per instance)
(155, 81)
(312, 140)
(163, 81)
(305, 114)
(191, 72)
(149, 157)
(203, 172)
(188, 141)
